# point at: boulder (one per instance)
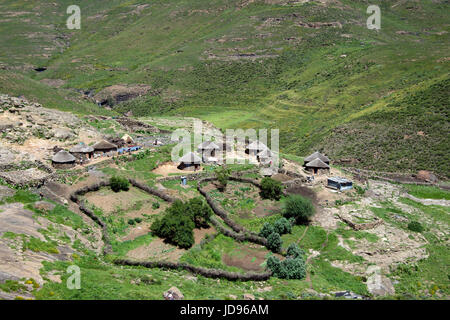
(378, 284)
(62, 134)
(426, 176)
(6, 192)
(173, 294)
(248, 296)
(44, 206)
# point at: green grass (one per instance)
(210, 254)
(427, 192)
(61, 215)
(32, 243)
(350, 91)
(23, 196)
(122, 248)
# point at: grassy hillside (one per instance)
(311, 69)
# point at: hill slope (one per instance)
(310, 68)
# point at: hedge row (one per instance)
(155, 192)
(209, 273)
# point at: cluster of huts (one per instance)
(207, 153)
(82, 153)
(318, 163)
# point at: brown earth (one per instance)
(249, 257)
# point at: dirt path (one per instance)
(308, 260)
(303, 235)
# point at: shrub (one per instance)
(266, 230)
(131, 222)
(179, 221)
(118, 183)
(155, 205)
(415, 226)
(294, 251)
(282, 226)
(274, 265)
(199, 211)
(175, 226)
(138, 220)
(299, 208)
(359, 190)
(222, 174)
(293, 267)
(274, 242)
(271, 189)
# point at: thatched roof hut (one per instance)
(317, 165)
(190, 158)
(82, 152)
(104, 146)
(81, 148)
(208, 149)
(127, 138)
(189, 161)
(208, 145)
(63, 159)
(317, 155)
(255, 147)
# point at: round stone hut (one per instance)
(104, 147)
(208, 149)
(190, 161)
(63, 160)
(82, 152)
(255, 147)
(317, 155)
(317, 166)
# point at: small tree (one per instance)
(274, 265)
(415, 226)
(282, 226)
(266, 230)
(118, 183)
(199, 211)
(222, 174)
(175, 226)
(271, 189)
(299, 208)
(274, 242)
(294, 251)
(293, 267)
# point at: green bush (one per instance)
(271, 189)
(222, 174)
(179, 221)
(155, 205)
(118, 183)
(274, 265)
(274, 242)
(199, 211)
(282, 226)
(359, 190)
(266, 230)
(299, 208)
(415, 226)
(294, 251)
(175, 226)
(138, 220)
(131, 222)
(293, 267)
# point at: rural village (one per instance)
(75, 189)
